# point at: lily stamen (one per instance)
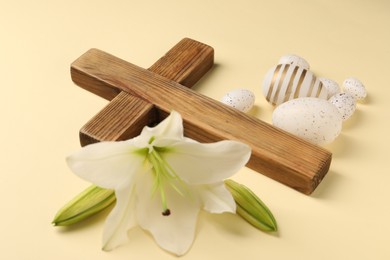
(163, 173)
(167, 212)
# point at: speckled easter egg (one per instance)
(294, 60)
(355, 87)
(313, 119)
(241, 99)
(345, 103)
(284, 82)
(332, 86)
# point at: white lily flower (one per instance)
(161, 181)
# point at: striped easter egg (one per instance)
(286, 81)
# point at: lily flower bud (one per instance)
(251, 208)
(87, 203)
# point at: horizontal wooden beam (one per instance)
(275, 153)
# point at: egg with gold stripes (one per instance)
(284, 82)
(294, 60)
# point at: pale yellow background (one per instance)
(347, 217)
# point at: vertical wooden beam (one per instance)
(126, 115)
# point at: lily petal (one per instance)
(174, 233)
(198, 163)
(106, 164)
(120, 219)
(216, 198)
(170, 128)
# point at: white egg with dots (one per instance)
(313, 119)
(345, 104)
(355, 87)
(331, 85)
(240, 99)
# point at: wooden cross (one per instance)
(142, 97)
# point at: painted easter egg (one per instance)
(345, 103)
(313, 119)
(285, 82)
(294, 60)
(355, 87)
(241, 99)
(331, 86)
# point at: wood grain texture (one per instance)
(275, 153)
(126, 115)
(123, 118)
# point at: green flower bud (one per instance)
(89, 202)
(251, 208)
(94, 199)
